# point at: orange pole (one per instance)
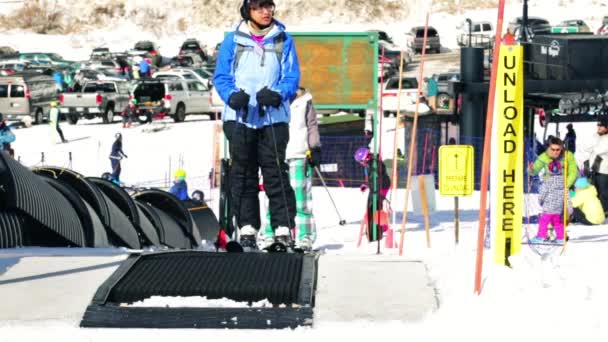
(413, 138)
(485, 166)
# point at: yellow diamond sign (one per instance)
(456, 165)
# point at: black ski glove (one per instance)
(267, 97)
(314, 157)
(238, 100)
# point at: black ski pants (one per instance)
(601, 184)
(251, 150)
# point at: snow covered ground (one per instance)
(557, 297)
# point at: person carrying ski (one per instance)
(6, 137)
(364, 157)
(116, 156)
(257, 74)
(129, 113)
(180, 187)
(303, 154)
(587, 206)
(54, 123)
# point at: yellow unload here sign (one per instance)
(456, 166)
(507, 218)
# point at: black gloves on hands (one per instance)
(314, 157)
(239, 100)
(267, 97)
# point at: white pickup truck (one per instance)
(97, 99)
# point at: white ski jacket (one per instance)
(303, 128)
(600, 149)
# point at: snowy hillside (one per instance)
(75, 27)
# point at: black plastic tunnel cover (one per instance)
(22, 190)
(17, 229)
(170, 232)
(172, 206)
(119, 229)
(94, 230)
(11, 229)
(206, 221)
(127, 205)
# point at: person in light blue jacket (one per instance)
(257, 75)
(6, 137)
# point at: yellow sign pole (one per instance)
(456, 176)
(510, 156)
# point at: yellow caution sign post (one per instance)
(456, 176)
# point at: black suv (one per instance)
(192, 46)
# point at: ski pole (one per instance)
(342, 222)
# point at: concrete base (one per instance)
(52, 287)
(372, 288)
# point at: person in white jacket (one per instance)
(303, 154)
(598, 161)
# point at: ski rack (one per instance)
(278, 277)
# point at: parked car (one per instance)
(173, 97)
(27, 94)
(106, 64)
(173, 75)
(8, 52)
(536, 26)
(97, 99)
(415, 39)
(45, 58)
(603, 30)
(15, 65)
(571, 26)
(201, 75)
(407, 103)
(192, 46)
(148, 49)
(100, 53)
(481, 34)
(383, 36)
(443, 84)
(189, 60)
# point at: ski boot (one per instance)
(282, 241)
(247, 238)
(304, 245)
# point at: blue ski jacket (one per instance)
(180, 190)
(6, 136)
(257, 67)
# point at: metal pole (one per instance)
(456, 220)
(470, 22)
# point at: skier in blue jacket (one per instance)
(257, 75)
(116, 156)
(180, 187)
(6, 137)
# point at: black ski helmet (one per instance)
(247, 5)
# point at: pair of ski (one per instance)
(275, 247)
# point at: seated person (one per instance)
(588, 209)
(180, 187)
